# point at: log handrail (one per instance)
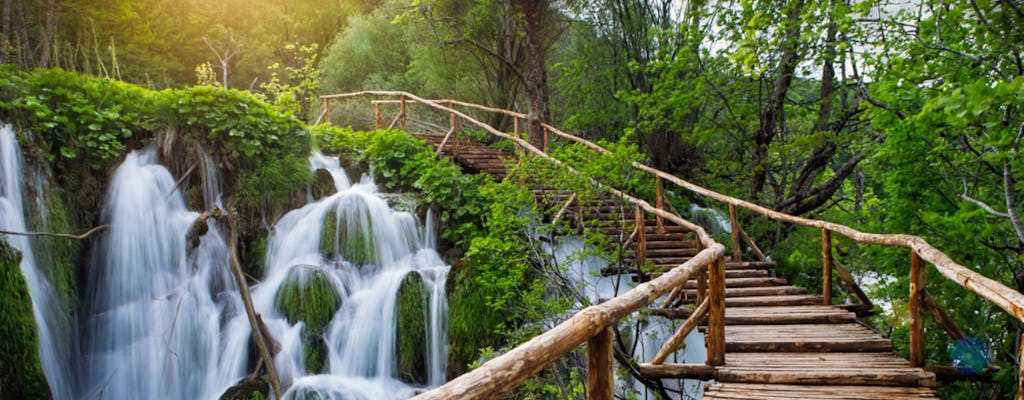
(1006, 298)
(500, 373)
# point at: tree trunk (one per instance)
(535, 73)
(5, 33)
(49, 34)
(772, 114)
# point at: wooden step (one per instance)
(746, 273)
(744, 282)
(762, 301)
(849, 337)
(749, 265)
(752, 391)
(756, 291)
(854, 375)
(771, 315)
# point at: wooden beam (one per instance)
(659, 201)
(942, 318)
(679, 371)
(1020, 373)
(673, 343)
(641, 240)
(327, 111)
(850, 283)
(401, 115)
(917, 270)
(734, 223)
(716, 313)
(378, 120)
(753, 246)
(600, 371)
(826, 271)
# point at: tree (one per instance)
(505, 35)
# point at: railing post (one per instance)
(1020, 376)
(517, 135)
(600, 371)
(378, 120)
(401, 114)
(454, 124)
(641, 239)
(546, 147)
(917, 272)
(826, 266)
(660, 201)
(734, 223)
(716, 313)
(327, 111)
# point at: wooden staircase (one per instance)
(472, 157)
(781, 342)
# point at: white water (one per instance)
(152, 314)
(361, 336)
(54, 351)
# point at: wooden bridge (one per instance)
(765, 338)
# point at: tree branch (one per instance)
(508, 63)
(60, 235)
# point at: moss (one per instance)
(327, 236)
(323, 184)
(308, 295)
(411, 331)
(355, 232)
(21, 374)
(315, 353)
(249, 389)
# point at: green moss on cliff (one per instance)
(21, 374)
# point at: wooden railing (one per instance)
(592, 325)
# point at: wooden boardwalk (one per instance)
(780, 341)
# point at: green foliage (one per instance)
(294, 87)
(81, 116)
(21, 374)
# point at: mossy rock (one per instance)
(308, 295)
(314, 350)
(411, 330)
(348, 232)
(328, 235)
(255, 388)
(21, 373)
(322, 185)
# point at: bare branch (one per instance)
(982, 205)
(60, 235)
(508, 63)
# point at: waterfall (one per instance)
(54, 350)
(152, 311)
(160, 317)
(360, 250)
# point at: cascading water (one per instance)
(152, 313)
(54, 351)
(365, 254)
(160, 319)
